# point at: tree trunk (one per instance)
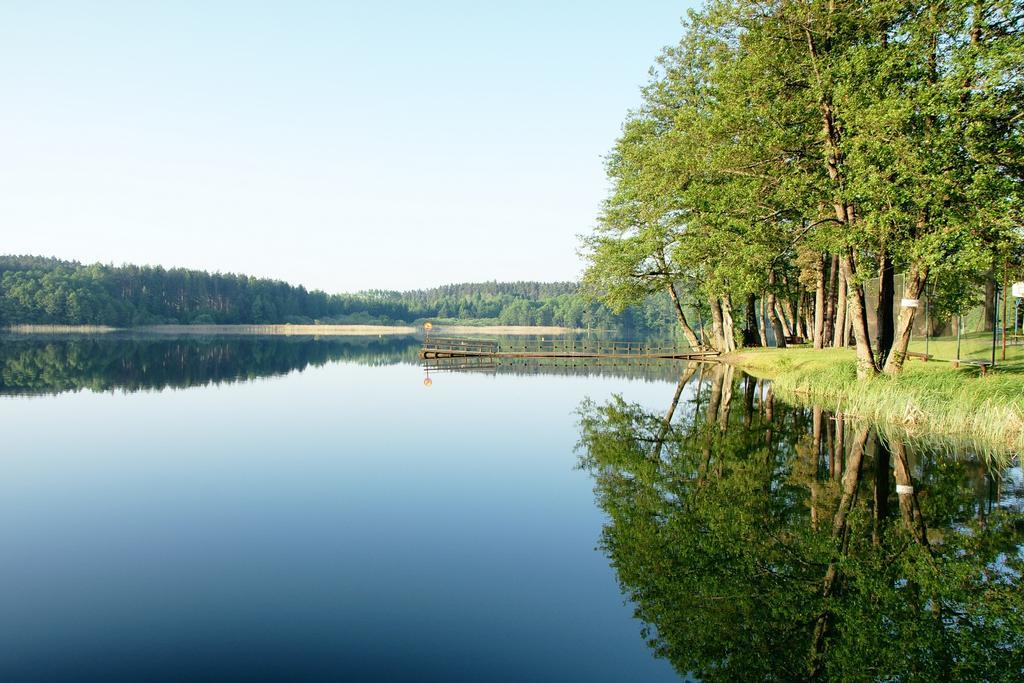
(865, 359)
(728, 326)
(716, 324)
(816, 436)
(912, 289)
(910, 507)
(850, 483)
(988, 320)
(762, 331)
(808, 316)
(830, 306)
(834, 467)
(786, 329)
(666, 423)
(750, 321)
(691, 337)
(838, 446)
(725, 407)
(797, 328)
(819, 302)
(880, 490)
(846, 216)
(715, 399)
(839, 337)
(800, 322)
(883, 313)
(780, 336)
(749, 390)
(777, 329)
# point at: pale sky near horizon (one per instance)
(339, 145)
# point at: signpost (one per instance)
(1017, 289)
(914, 303)
(427, 327)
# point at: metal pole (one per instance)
(995, 325)
(1016, 316)
(927, 322)
(1006, 279)
(959, 327)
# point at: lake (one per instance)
(293, 508)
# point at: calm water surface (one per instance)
(299, 509)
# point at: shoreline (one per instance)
(184, 330)
(504, 329)
(288, 330)
(932, 398)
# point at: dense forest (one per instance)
(789, 154)
(36, 290)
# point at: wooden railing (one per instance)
(455, 344)
(589, 346)
(556, 346)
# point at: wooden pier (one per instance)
(456, 347)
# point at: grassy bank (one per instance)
(928, 398)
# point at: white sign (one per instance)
(1018, 289)
(903, 488)
(908, 303)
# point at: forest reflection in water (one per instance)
(54, 364)
(763, 541)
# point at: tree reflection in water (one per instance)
(57, 364)
(770, 542)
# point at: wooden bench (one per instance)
(917, 354)
(794, 340)
(983, 364)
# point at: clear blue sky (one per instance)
(339, 145)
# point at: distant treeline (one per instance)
(39, 290)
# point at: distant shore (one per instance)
(303, 330)
(503, 329)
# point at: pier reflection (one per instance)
(638, 369)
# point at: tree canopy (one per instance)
(789, 151)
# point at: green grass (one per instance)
(928, 399)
